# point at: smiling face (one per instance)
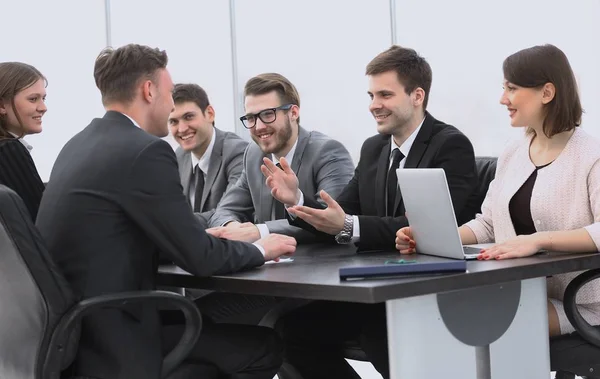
(29, 108)
(524, 105)
(276, 137)
(192, 128)
(391, 106)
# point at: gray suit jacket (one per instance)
(321, 163)
(223, 172)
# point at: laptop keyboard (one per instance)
(471, 252)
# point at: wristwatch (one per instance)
(345, 236)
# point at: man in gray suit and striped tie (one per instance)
(210, 160)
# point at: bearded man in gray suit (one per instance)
(248, 211)
(210, 160)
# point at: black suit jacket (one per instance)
(437, 145)
(18, 172)
(113, 201)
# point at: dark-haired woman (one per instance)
(546, 193)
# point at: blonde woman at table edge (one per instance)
(546, 192)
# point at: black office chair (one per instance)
(39, 317)
(486, 171)
(578, 353)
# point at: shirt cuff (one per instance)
(300, 203)
(355, 230)
(263, 230)
(262, 249)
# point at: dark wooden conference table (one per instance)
(488, 322)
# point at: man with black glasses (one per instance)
(247, 211)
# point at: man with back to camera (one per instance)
(210, 160)
(114, 200)
(369, 214)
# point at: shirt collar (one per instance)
(405, 147)
(289, 156)
(204, 161)
(132, 120)
(27, 146)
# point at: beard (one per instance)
(280, 138)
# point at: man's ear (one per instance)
(418, 96)
(209, 113)
(295, 112)
(3, 110)
(148, 90)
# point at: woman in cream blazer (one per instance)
(546, 193)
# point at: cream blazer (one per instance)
(566, 196)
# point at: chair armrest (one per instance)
(69, 322)
(585, 330)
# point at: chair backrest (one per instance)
(33, 294)
(486, 171)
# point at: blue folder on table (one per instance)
(450, 266)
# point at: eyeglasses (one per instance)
(267, 116)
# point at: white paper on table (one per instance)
(281, 260)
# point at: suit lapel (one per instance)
(381, 177)
(216, 160)
(185, 172)
(417, 150)
(420, 144)
(303, 137)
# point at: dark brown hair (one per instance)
(14, 78)
(183, 93)
(533, 68)
(268, 82)
(117, 72)
(413, 70)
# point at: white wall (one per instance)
(466, 41)
(322, 46)
(46, 35)
(195, 34)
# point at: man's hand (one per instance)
(282, 182)
(329, 220)
(235, 231)
(276, 245)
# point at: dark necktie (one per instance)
(392, 182)
(279, 208)
(199, 189)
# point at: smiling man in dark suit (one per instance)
(370, 210)
(210, 160)
(113, 202)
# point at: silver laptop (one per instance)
(430, 213)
